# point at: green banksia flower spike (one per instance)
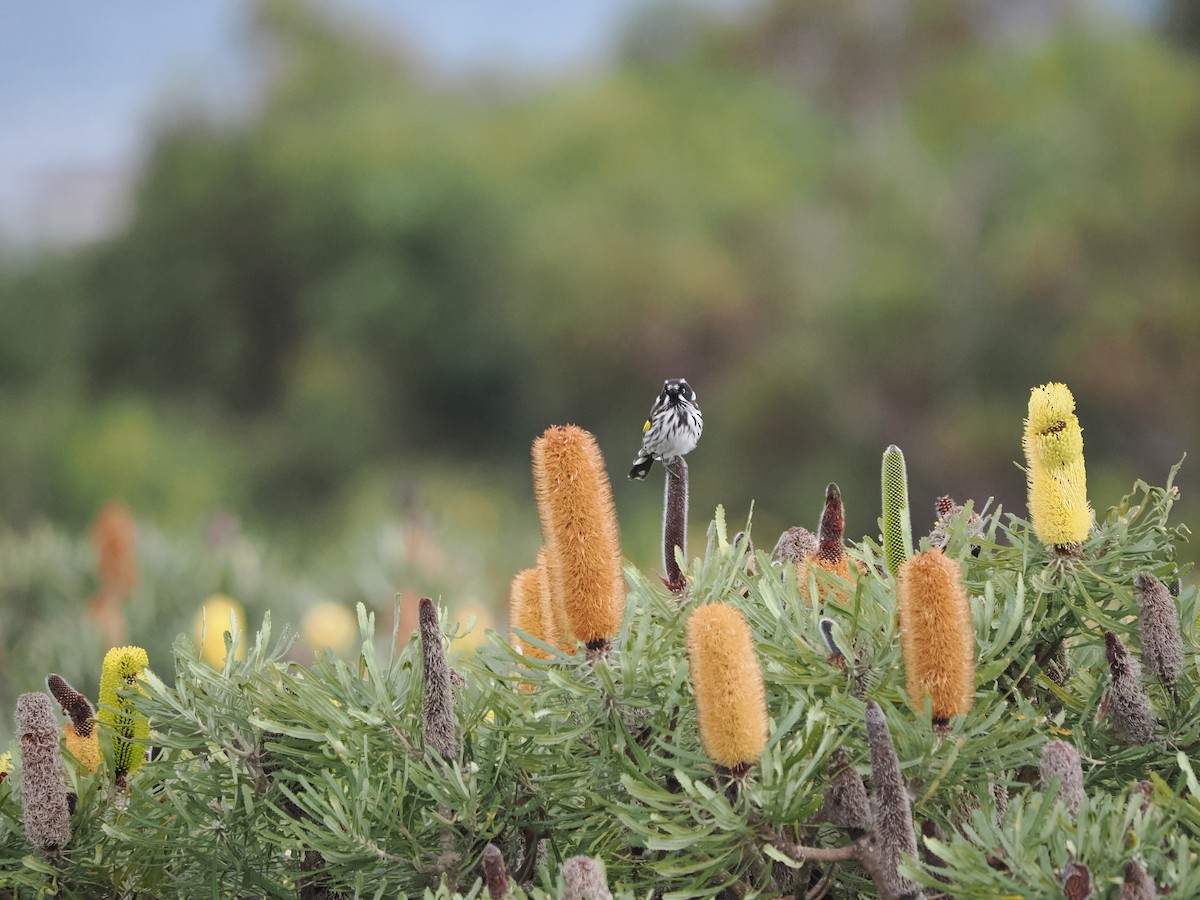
(123, 666)
(579, 528)
(46, 815)
(584, 878)
(846, 804)
(440, 728)
(1061, 760)
(897, 525)
(894, 836)
(80, 733)
(494, 874)
(1053, 443)
(936, 634)
(1158, 623)
(1126, 703)
(1137, 884)
(675, 515)
(727, 680)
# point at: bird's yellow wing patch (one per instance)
(646, 427)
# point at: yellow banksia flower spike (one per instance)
(123, 666)
(726, 677)
(936, 634)
(1057, 480)
(579, 527)
(218, 614)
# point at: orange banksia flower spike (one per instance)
(936, 635)
(115, 541)
(726, 677)
(579, 527)
(527, 611)
(1057, 480)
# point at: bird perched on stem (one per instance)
(673, 428)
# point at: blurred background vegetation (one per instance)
(343, 316)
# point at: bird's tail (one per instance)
(641, 466)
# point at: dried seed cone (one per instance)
(897, 526)
(894, 836)
(494, 875)
(795, 546)
(584, 878)
(43, 787)
(123, 666)
(830, 554)
(1057, 480)
(1158, 623)
(579, 527)
(1137, 884)
(439, 724)
(728, 683)
(1061, 760)
(936, 634)
(1128, 708)
(846, 803)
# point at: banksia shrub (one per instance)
(123, 666)
(1158, 624)
(1126, 704)
(579, 528)
(43, 787)
(936, 634)
(79, 734)
(1057, 481)
(217, 615)
(897, 524)
(727, 679)
(440, 727)
(1061, 760)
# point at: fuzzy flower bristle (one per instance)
(937, 635)
(727, 680)
(579, 528)
(46, 815)
(529, 611)
(123, 667)
(1057, 479)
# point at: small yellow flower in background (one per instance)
(123, 667)
(727, 679)
(6, 764)
(1053, 443)
(218, 614)
(330, 624)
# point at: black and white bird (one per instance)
(673, 428)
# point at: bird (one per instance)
(673, 428)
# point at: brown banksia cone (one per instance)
(79, 734)
(726, 677)
(1137, 884)
(1126, 704)
(114, 539)
(894, 836)
(1061, 760)
(795, 545)
(579, 528)
(439, 726)
(494, 874)
(1076, 881)
(1158, 623)
(675, 516)
(936, 635)
(584, 878)
(846, 803)
(830, 554)
(46, 815)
